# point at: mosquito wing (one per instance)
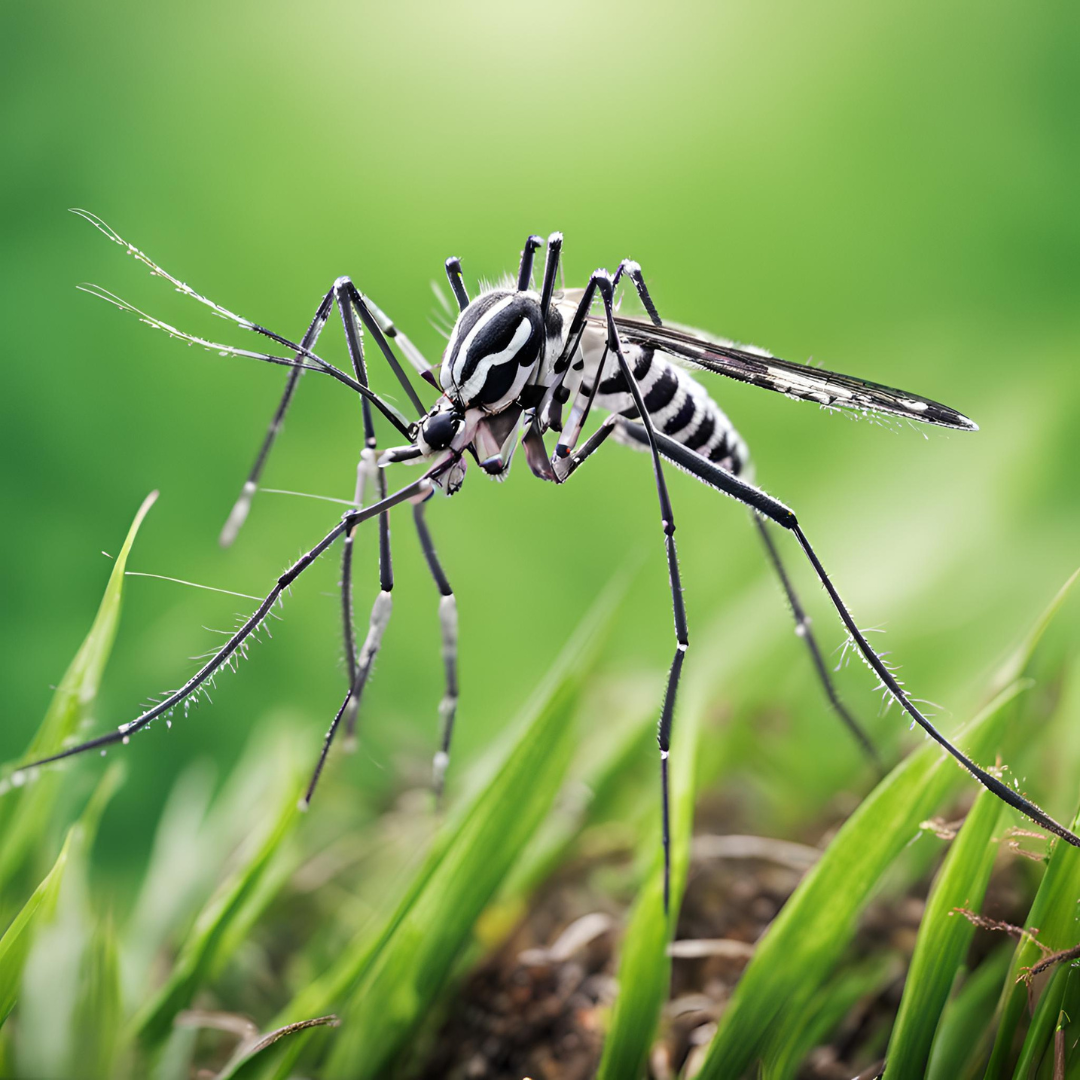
(755, 366)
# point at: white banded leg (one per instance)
(632, 270)
(238, 514)
(448, 628)
(235, 643)
(762, 503)
(602, 282)
(368, 474)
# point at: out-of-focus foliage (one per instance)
(889, 189)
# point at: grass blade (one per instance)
(806, 940)
(645, 967)
(49, 1041)
(18, 939)
(99, 1013)
(19, 936)
(1017, 663)
(408, 973)
(1053, 912)
(1039, 1041)
(206, 945)
(25, 813)
(943, 938)
(245, 1054)
(956, 1052)
(804, 943)
(836, 1000)
(399, 967)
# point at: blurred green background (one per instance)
(888, 188)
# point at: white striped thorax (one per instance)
(498, 373)
(493, 350)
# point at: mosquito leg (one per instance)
(729, 484)
(380, 325)
(236, 641)
(412, 353)
(453, 275)
(305, 802)
(347, 294)
(802, 630)
(802, 622)
(528, 254)
(448, 624)
(347, 626)
(551, 271)
(351, 307)
(565, 467)
(238, 514)
(633, 271)
(601, 281)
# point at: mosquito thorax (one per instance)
(493, 350)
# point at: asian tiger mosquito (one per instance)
(515, 359)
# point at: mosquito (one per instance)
(521, 365)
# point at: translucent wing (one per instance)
(755, 366)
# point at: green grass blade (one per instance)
(1017, 663)
(956, 1052)
(205, 946)
(53, 976)
(1054, 913)
(19, 936)
(645, 967)
(18, 939)
(1039, 1042)
(804, 943)
(408, 973)
(398, 966)
(53, 979)
(835, 1001)
(99, 1014)
(612, 754)
(246, 1054)
(26, 813)
(177, 868)
(943, 938)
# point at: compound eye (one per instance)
(439, 430)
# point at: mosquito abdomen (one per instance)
(678, 405)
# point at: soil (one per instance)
(538, 1007)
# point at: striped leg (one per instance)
(381, 327)
(762, 503)
(632, 270)
(361, 662)
(448, 624)
(802, 630)
(235, 645)
(602, 282)
(238, 514)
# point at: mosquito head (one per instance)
(443, 432)
(494, 348)
(438, 430)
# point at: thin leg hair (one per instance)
(602, 282)
(765, 504)
(632, 270)
(802, 630)
(349, 520)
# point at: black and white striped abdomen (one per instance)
(677, 403)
